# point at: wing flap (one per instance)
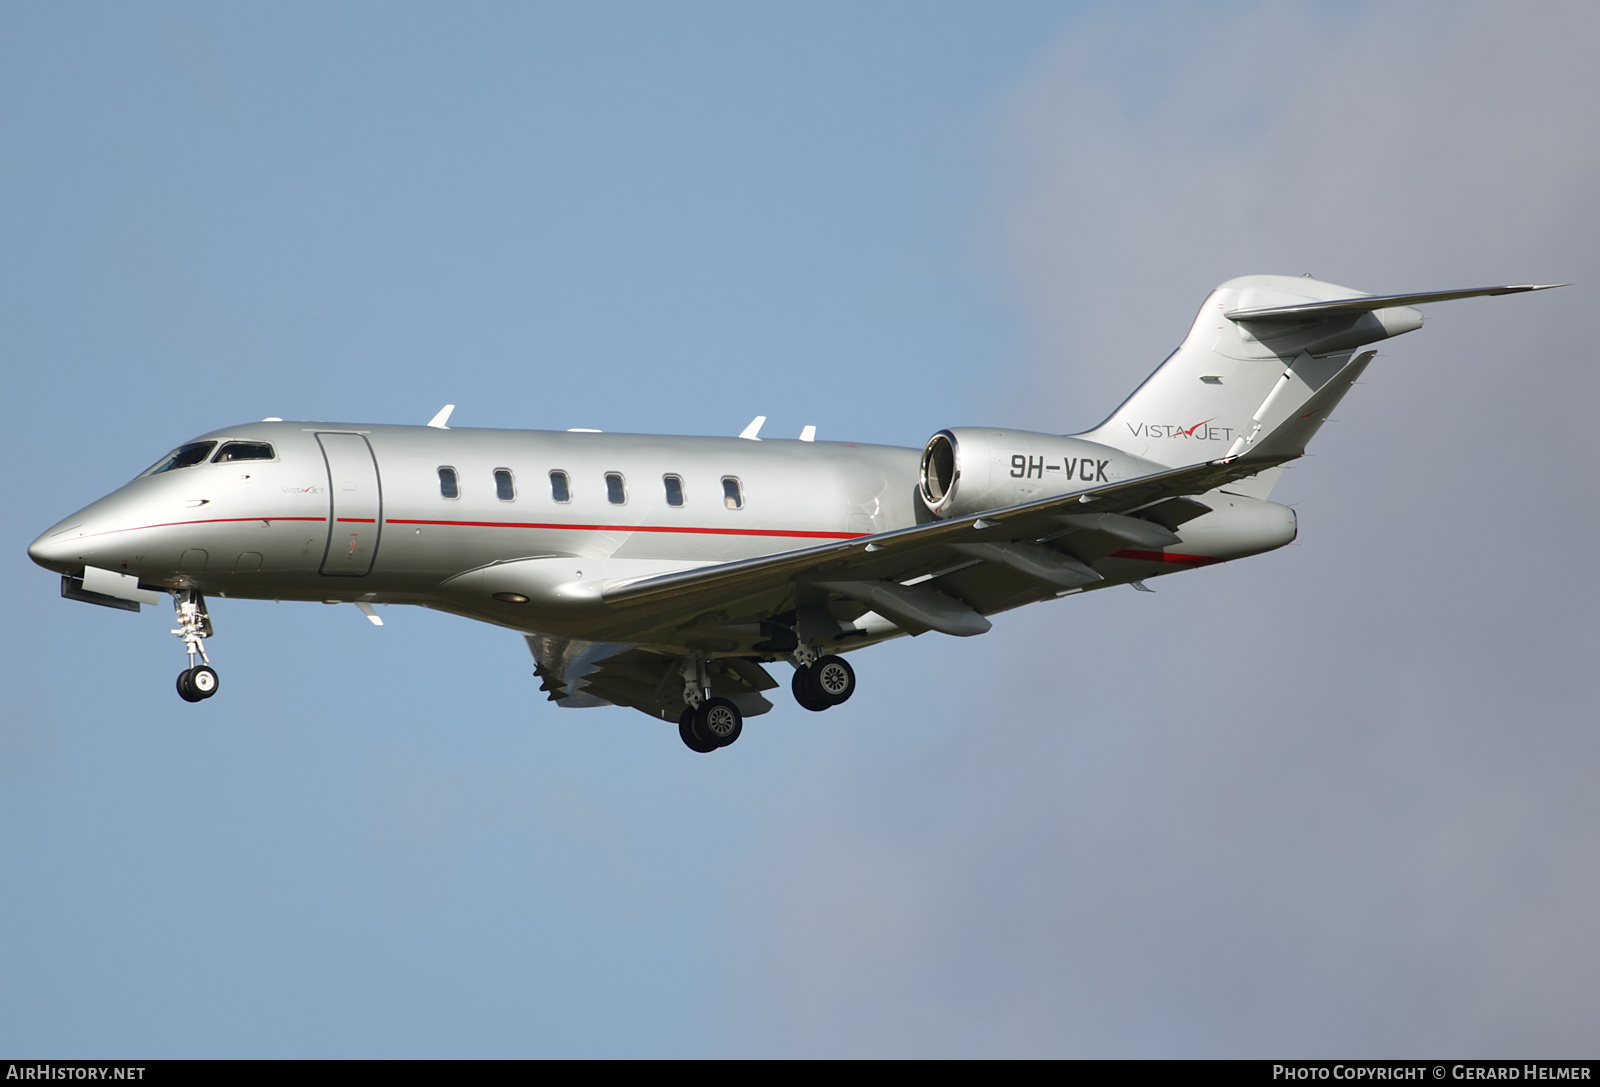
(914, 608)
(1039, 563)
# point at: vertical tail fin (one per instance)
(1267, 359)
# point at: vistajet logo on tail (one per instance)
(1202, 431)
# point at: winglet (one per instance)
(754, 428)
(441, 420)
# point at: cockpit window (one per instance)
(185, 456)
(243, 451)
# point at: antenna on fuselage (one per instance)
(808, 433)
(754, 428)
(442, 420)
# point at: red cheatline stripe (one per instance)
(203, 521)
(639, 528)
(1126, 553)
(1164, 556)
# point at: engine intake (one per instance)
(939, 473)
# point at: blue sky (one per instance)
(1331, 801)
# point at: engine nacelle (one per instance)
(968, 470)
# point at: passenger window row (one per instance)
(505, 487)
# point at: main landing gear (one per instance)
(823, 683)
(196, 682)
(820, 682)
(714, 723)
(706, 723)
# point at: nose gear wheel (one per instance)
(197, 684)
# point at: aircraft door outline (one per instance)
(355, 505)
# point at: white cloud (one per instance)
(1327, 802)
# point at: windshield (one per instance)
(243, 451)
(185, 456)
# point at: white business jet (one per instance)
(665, 573)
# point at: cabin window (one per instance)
(674, 485)
(505, 489)
(448, 485)
(616, 493)
(732, 493)
(232, 451)
(560, 490)
(185, 456)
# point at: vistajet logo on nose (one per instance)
(1201, 431)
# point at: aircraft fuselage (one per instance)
(451, 518)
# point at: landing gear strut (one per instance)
(196, 682)
(823, 683)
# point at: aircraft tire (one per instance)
(718, 721)
(203, 680)
(833, 679)
(805, 691)
(687, 734)
(186, 689)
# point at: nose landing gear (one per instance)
(197, 682)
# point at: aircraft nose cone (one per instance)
(55, 550)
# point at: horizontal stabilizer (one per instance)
(1311, 311)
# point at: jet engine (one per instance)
(968, 470)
